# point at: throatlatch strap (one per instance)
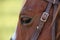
(53, 31)
(53, 26)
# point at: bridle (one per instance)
(44, 18)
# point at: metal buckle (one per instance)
(54, 1)
(44, 16)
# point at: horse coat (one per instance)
(32, 24)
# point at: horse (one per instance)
(39, 20)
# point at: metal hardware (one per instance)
(54, 1)
(44, 17)
(37, 27)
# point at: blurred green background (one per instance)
(9, 12)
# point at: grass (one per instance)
(9, 12)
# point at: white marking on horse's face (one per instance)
(14, 36)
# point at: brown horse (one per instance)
(32, 24)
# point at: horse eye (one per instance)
(25, 20)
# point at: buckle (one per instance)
(44, 16)
(54, 1)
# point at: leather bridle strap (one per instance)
(54, 17)
(43, 19)
(53, 25)
(42, 22)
